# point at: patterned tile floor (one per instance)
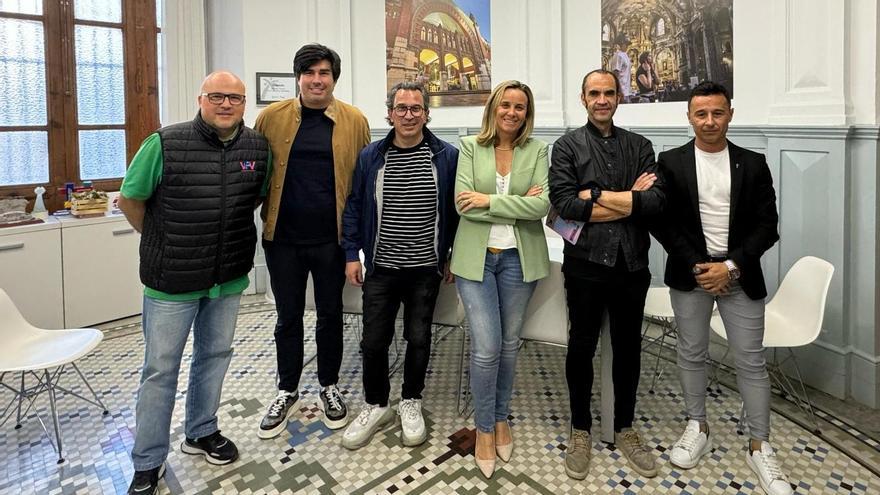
(309, 459)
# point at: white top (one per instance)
(713, 184)
(501, 235)
(621, 63)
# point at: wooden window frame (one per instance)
(141, 79)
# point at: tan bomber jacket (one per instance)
(279, 122)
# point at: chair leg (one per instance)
(104, 410)
(464, 389)
(664, 331)
(20, 398)
(54, 410)
(801, 400)
(742, 428)
(396, 364)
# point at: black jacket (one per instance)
(753, 217)
(199, 224)
(576, 165)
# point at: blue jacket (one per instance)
(360, 220)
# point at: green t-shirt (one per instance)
(140, 182)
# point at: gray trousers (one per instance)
(744, 322)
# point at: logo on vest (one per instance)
(248, 165)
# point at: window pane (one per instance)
(25, 157)
(100, 82)
(22, 6)
(98, 10)
(101, 154)
(22, 73)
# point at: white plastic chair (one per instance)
(43, 355)
(658, 310)
(546, 320)
(449, 315)
(793, 318)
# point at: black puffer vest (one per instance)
(199, 224)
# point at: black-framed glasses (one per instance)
(415, 110)
(217, 98)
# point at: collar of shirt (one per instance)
(595, 132)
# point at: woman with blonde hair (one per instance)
(499, 253)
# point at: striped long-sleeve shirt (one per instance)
(409, 209)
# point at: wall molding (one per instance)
(846, 351)
(861, 132)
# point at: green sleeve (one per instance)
(265, 190)
(465, 181)
(145, 170)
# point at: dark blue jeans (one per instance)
(384, 290)
(289, 267)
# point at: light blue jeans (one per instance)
(166, 327)
(495, 309)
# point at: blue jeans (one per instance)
(495, 309)
(166, 327)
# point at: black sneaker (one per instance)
(146, 482)
(279, 412)
(335, 412)
(216, 448)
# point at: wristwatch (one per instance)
(732, 270)
(595, 192)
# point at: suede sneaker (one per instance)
(146, 482)
(283, 406)
(578, 453)
(639, 455)
(333, 405)
(216, 448)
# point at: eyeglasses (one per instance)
(217, 98)
(415, 110)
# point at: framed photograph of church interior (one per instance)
(275, 86)
(660, 49)
(442, 45)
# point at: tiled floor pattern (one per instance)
(309, 459)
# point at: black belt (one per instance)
(717, 259)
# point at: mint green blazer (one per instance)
(476, 172)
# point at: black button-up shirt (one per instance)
(582, 159)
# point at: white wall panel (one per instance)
(808, 61)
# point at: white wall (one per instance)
(796, 63)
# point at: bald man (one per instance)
(191, 191)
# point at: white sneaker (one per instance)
(770, 475)
(412, 431)
(371, 419)
(692, 445)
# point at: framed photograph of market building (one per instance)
(660, 49)
(442, 44)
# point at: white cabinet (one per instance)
(30, 271)
(101, 281)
